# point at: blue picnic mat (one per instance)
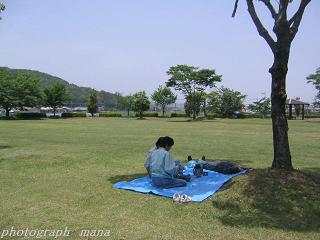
(198, 188)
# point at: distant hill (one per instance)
(78, 95)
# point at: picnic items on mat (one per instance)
(198, 170)
(225, 167)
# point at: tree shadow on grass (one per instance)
(227, 185)
(242, 162)
(5, 146)
(179, 121)
(190, 120)
(126, 177)
(274, 199)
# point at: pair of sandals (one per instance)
(177, 198)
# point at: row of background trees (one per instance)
(21, 89)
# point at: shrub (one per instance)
(255, 115)
(148, 114)
(73, 114)
(213, 116)
(29, 115)
(173, 115)
(312, 116)
(54, 117)
(110, 114)
(8, 118)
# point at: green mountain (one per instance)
(78, 95)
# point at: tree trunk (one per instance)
(205, 108)
(7, 112)
(128, 110)
(194, 106)
(54, 112)
(163, 110)
(193, 102)
(141, 115)
(285, 31)
(282, 156)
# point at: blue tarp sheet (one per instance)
(198, 188)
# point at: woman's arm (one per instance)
(170, 165)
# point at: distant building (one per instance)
(298, 106)
(80, 109)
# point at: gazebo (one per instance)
(298, 106)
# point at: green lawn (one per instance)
(58, 173)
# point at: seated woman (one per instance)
(164, 171)
(147, 163)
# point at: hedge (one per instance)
(29, 115)
(178, 115)
(73, 114)
(213, 116)
(110, 114)
(148, 114)
(8, 118)
(312, 116)
(254, 115)
(54, 117)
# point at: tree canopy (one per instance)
(18, 90)
(261, 106)
(2, 8)
(125, 103)
(56, 96)
(192, 104)
(315, 80)
(225, 102)
(190, 79)
(140, 103)
(163, 96)
(92, 103)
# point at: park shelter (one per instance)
(299, 107)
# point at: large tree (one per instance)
(18, 90)
(189, 80)
(56, 96)
(315, 80)
(285, 30)
(163, 96)
(140, 103)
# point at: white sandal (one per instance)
(185, 198)
(176, 198)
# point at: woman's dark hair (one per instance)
(166, 141)
(159, 141)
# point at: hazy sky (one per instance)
(128, 45)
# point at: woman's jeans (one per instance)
(162, 182)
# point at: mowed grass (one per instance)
(59, 173)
